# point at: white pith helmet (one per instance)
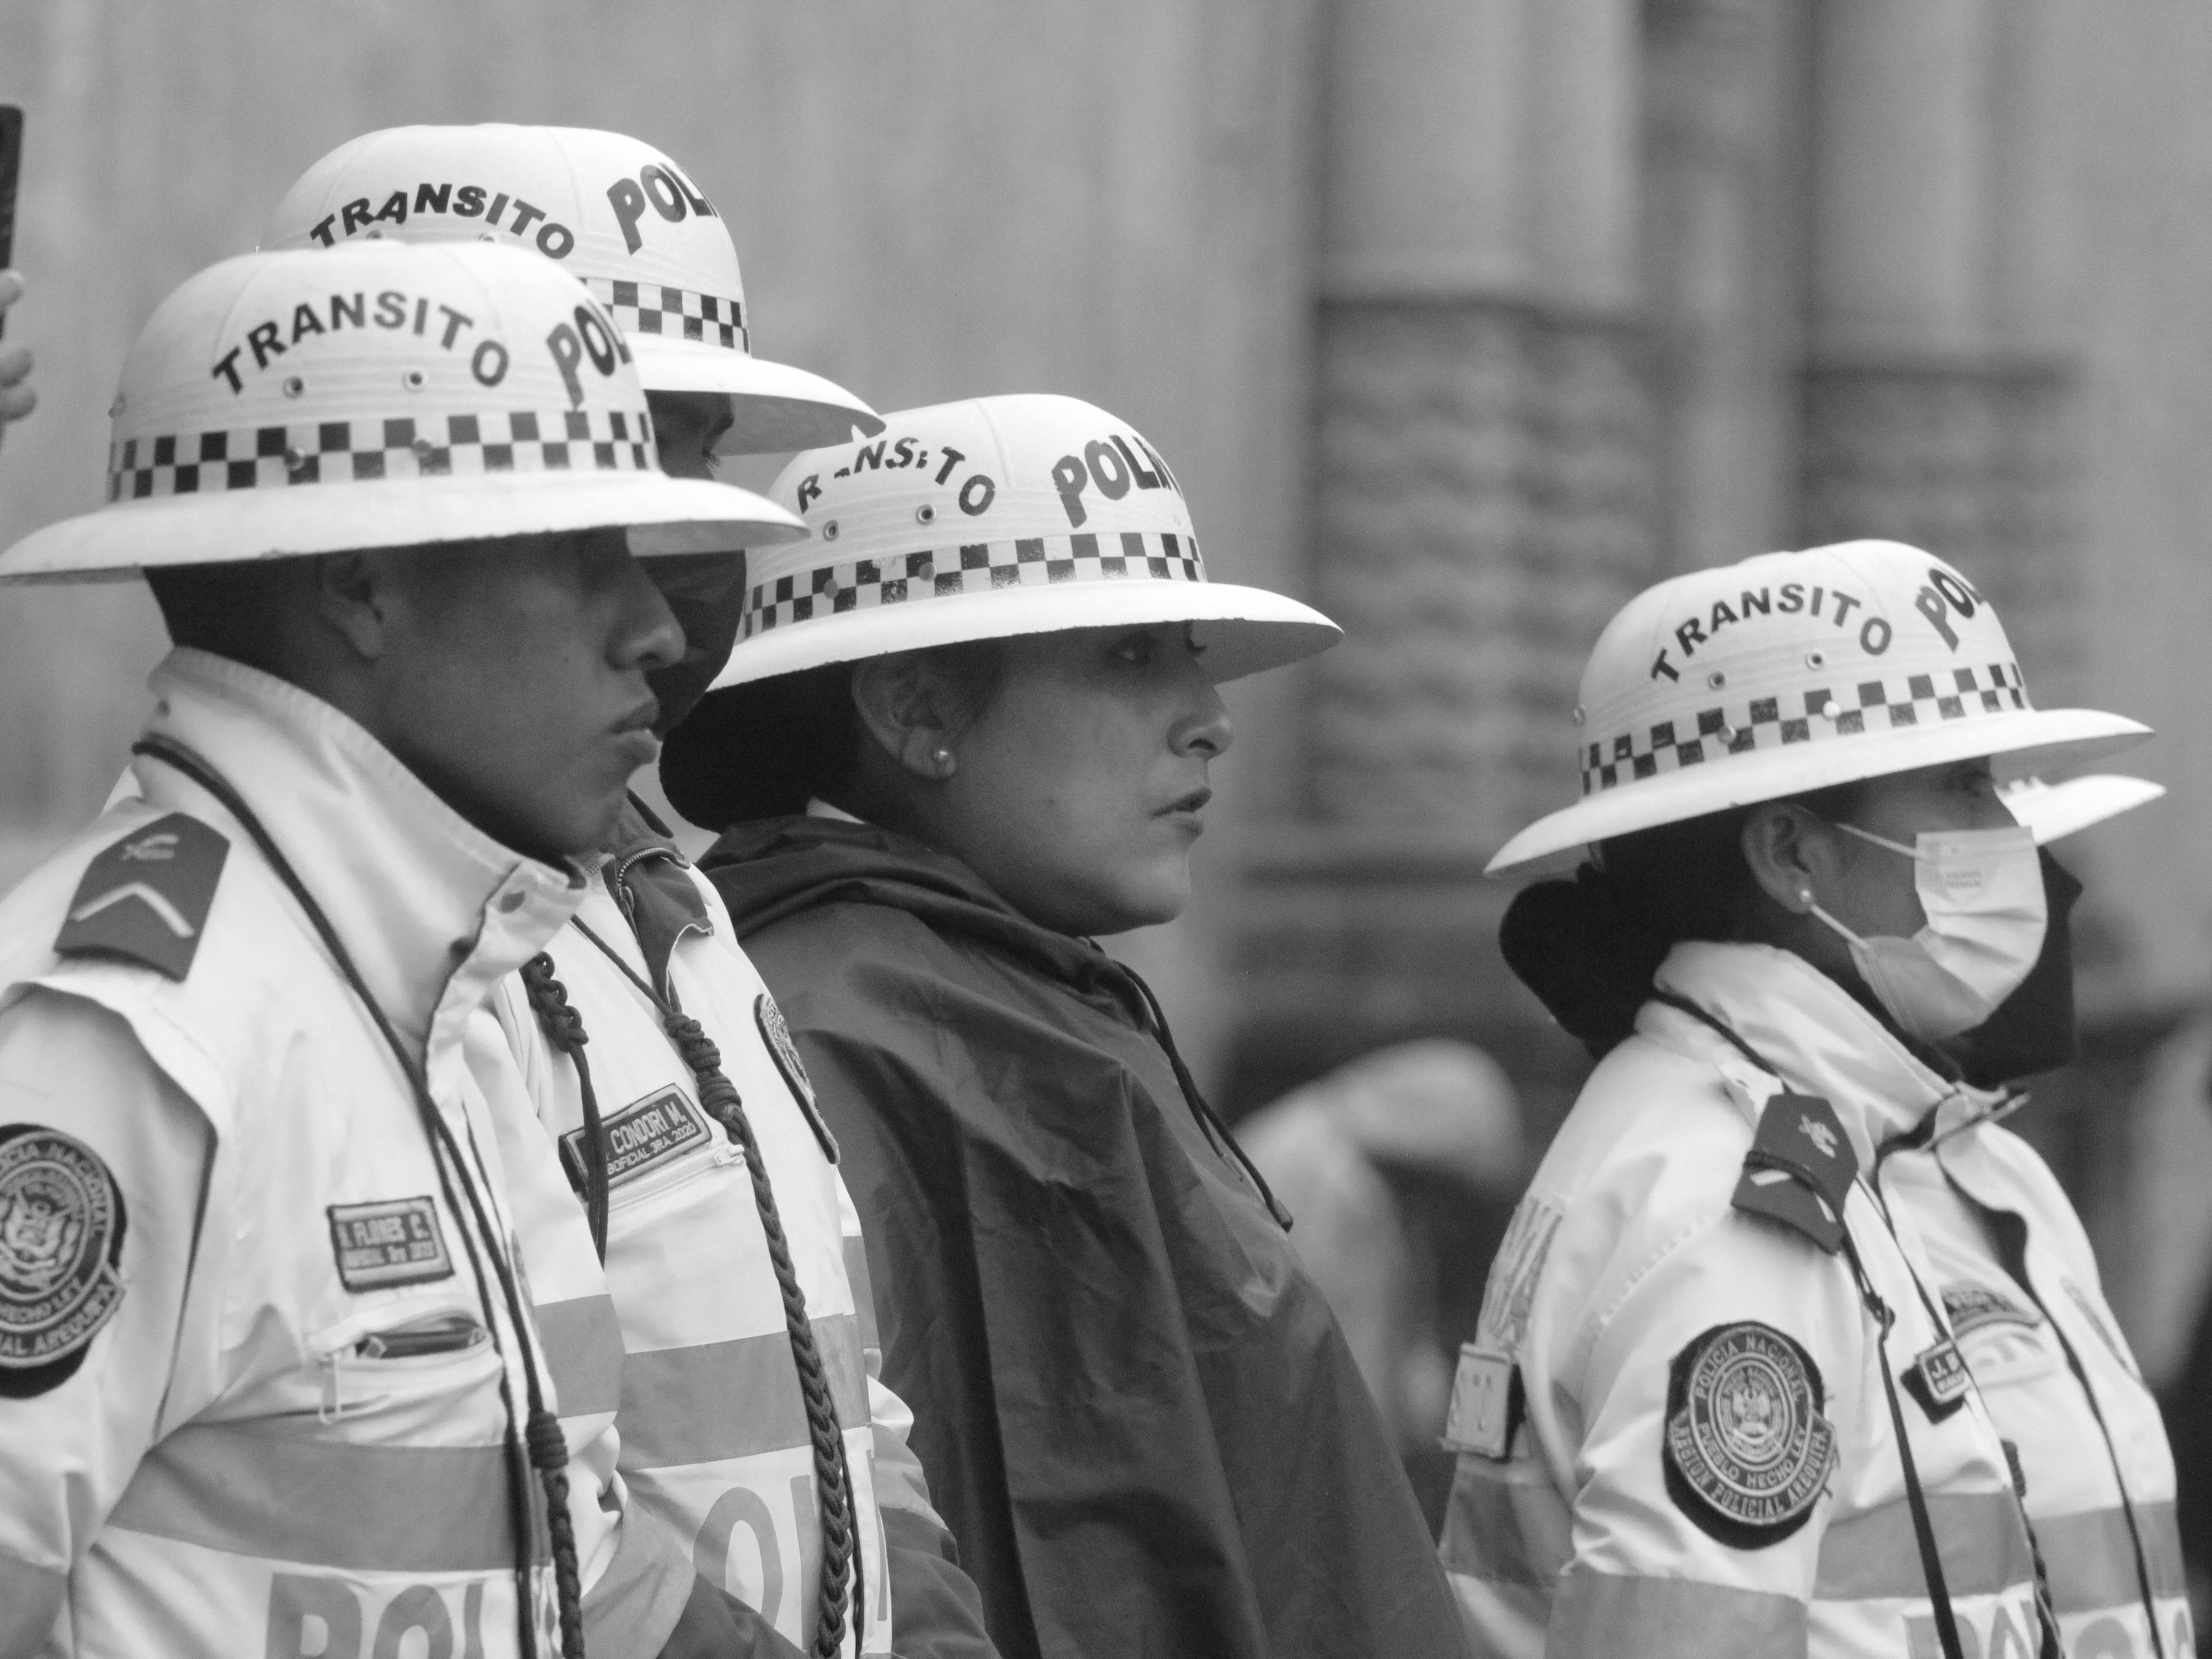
(1794, 671)
(993, 517)
(611, 211)
(381, 395)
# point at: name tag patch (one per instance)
(1485, 1404)
(1938, 1379)
(1970, 1306)
(397, 1241)
(644, 1135)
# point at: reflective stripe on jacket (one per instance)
(290, 1432)
(2025, 1301)
(1630, 1513)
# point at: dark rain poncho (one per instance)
(1135, 1412)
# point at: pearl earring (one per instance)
(1805, 896)
(942, 759)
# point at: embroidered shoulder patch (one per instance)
(1519, 1263)
(1799, 1168)
(1747, 1452)
(394, 1241)
(146, 898)
(774, 1033)
(644, 1135)
(61, 1223)
(1970, 1306)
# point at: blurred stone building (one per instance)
(1463, 318)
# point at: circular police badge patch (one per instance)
(1747, 1452)
(61, 1235)
(777, 1035)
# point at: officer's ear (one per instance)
(351, 595)
(903, 709)
(1790, 852)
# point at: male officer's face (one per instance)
(512, 679)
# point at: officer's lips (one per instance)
(1185, 809)
(633, 732)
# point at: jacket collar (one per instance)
(431, 910)
(1816, 1036)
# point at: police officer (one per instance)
(751, 1417)
(1716, 1401)
(272, 1370)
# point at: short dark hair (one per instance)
(234, 610)
(765, 750)
(1588, 947)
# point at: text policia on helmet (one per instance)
(618, 215)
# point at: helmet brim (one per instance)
(663, 516)
(1247, 629)
(772, 406)
(2052, 811)
(2028, 742)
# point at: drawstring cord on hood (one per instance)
(564, 1029)
(1208, 1120)
(841, 1532)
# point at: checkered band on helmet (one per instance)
(975, 567)
(405, 446)
(1761, 723)
(677, 313)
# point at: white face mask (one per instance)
(1983, 893)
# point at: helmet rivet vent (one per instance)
(924, 514)
(295, 459)
(373, 234)
(1815, 660)
(829, 531)
(423, 449)
(294, 385)
(415, 380)
(1715, 680)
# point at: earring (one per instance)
(942, 761)
(1805, 897)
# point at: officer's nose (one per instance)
(648, 636)
(1204, 727)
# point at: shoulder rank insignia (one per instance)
(1799, 1168)
(1748, 1451)
(62, 1222)
(777, 1035)
(146, 898)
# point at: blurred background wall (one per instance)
(1463, 318)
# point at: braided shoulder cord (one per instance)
(841, 1542)
(564, 1030)
(542, 1446)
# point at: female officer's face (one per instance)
(1872, 890)
(1078, 785)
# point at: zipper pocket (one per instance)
(438, 1335)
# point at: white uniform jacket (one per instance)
(2020, 1288)
(713, 1430)
(1674, 1433)
(251, 1388)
